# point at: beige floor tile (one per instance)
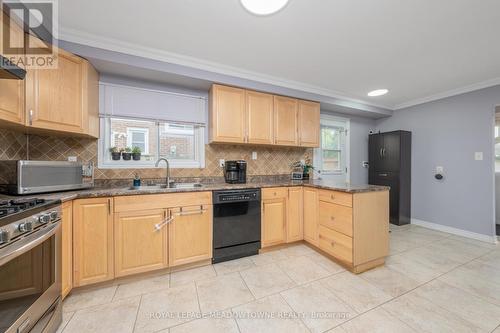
(318, 308)
(223, 292)
(207, 325)
(271, 314)
(297, 250)
(142, 286)
(426, 231)
(326, 263)
(490, 246)
(397, 245)
(166, 308)
(439, 262)
(407, 265)
(424, 316)
(470, 281)
(414, 238)
(66, 316)
(303, 269)
(492, 259)
(84, 299)
(356, 292)
(392, 282)
(497, 330)
(190, 275)
(457, 250)
(337, 329)
(112, 317)
(267, 258)
(266, 280)
(232, 266)
(467, 306)
(376, 321)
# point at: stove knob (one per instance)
(54, 215)
(44, 218)
(4, 236)
(25, 227)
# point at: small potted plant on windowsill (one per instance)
(127, 154)
(136, 154)
(115, 153)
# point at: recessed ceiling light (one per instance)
(263, 7)
(378, 92)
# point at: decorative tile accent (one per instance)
(270, 160)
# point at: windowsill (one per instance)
(138, 165)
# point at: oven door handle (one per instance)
(27, 243)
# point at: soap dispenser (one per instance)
(137, 180)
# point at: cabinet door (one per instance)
(12, 91)
(294, 225)
(285, 121)
(190, 234)
(227, 112)
(54, 96)
(259, 117)
(375, 151)
(311, 215)
(309, 124)
(92, 241)
(140, 241)
(391, 153)
(273, 222)
(67, 248)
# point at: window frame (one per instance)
(145, 131)
(104, 143)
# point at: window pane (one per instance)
(330, 138)
(134, 133)
(177, 141)
(331, 160)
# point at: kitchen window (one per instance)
(182, 144)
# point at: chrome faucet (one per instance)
(168, 169)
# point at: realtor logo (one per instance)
(23, 21)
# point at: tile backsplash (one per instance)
(270, 160)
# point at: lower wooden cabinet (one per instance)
(92, 241)
(190, 234)
(311, 215)
(274, 216)
(67, 248)
(294, 224)
(141, 241)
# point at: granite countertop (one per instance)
(121, 191)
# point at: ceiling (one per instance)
(418, 49)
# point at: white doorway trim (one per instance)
(326, 119)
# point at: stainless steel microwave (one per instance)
(29, 177)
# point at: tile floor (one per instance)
(432, 282)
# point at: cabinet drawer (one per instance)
(339, 198)
(335, 244)
(274, 193)
(161, 201)
(336, 217)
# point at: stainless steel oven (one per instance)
(30, 269)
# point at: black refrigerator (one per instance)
(390, 165)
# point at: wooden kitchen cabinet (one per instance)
(274, 216)
(311, 215)
(67, 248)
(259, 117)
(140, 241)
(92, 241)
(309, 123)
(294, 224)
(190, 234)
(227, 110)
(285, 121)
(11, 91)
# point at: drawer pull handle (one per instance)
(332, 218)
(332, 244)
(274, 193)
(192, 212)
(332, 196)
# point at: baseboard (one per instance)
(456, 231)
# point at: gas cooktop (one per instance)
(20, 207)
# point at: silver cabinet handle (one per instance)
(31, 117)
(381, 152)
(160, 225)
(382, 174)
(192, 212)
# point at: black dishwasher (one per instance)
(236, 224)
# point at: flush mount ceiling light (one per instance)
(264, 7)
(378, 92)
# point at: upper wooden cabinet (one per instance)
(227, 114)
(259, 116)
(309, 124)
(245, 116)
(286, 121)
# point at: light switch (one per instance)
(439, 169)
(254, 155)
(478, 155)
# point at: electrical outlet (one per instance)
(72, 159)
(254, 155)
(303, 162)
(221, 162)
(365, 164)
(478, 155)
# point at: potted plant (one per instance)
(127, 154)
(136, 154)
(305, 165)
(115, 153)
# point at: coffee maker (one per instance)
(235, 172)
